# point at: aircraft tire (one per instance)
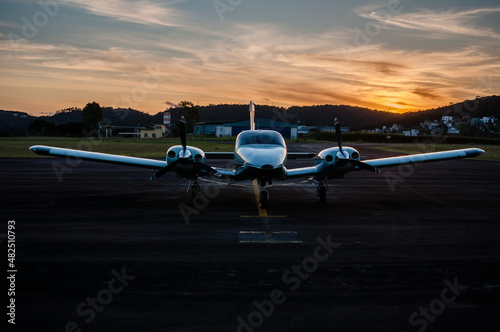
(264, 199)
(322, 193)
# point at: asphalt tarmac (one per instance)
(101, 248)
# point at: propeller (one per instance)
(164, 170)
(182, 129)
(338, 133)
(364, 166)
(185, 157)
(323, 173)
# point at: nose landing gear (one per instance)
(263, 194)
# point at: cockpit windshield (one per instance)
(260, 137)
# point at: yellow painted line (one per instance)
(262, 232)
(271, 242)
(262, 212)
(267, 216)
(264, 222)
(267, 237)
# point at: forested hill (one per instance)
(476, 108)
(323, 115)
(16, 123)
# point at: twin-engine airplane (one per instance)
(258, 155)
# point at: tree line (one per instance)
(91, 115)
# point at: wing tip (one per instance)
(40, 149)
(474, 152)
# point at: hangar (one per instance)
(287, 130)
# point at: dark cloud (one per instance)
(426, 93)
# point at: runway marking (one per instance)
(282, 237)
(262, 212)
(264, 218)
(268, 216)
(260, 232)
(266, 235)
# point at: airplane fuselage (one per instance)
(260, 154)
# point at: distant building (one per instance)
(413, 132)
(331, 129)
(208, 128)
(447, 119)
(157, 132)
(396, 128)
(487, 120)
(233, 129)
(433, 125)
(304, 130)
(167, 118)
(122, 131)
(483, 120)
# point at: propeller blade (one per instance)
(164, 170)
(338, 134)
(182, 128)
(324, 173)
(342, 162)
(365, 166)
(204, 167)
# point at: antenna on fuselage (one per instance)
(252, 116)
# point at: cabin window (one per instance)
(260, 137)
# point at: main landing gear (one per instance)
(321, 192)
(195, 189)
(263, 194)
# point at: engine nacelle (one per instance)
(331, 155)
(192, 153)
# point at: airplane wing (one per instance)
(226, 173)
(394, 161)
(301, 172)
(424, 157)
(98, 157)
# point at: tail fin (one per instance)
(252, 116)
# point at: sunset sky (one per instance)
(390, 55)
